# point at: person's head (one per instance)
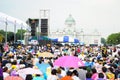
(5, 69)
(88, 75)
(53, 72)
(114, 66)
(94, 70)
(28, 77)
(14, 62)
(69, 73)
(104, 69)
(75, 72)
(100, 75)
(59, 71)
(110, 69)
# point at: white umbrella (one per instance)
(25, 71)
(29, 71)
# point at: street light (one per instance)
(15, 31)
(21, 31)
(6, 31)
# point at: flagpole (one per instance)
(6, 31)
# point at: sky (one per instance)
(90, 15)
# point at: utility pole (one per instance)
(15, 31)
(6, 31)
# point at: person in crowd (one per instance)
(101, 76)
(94, 74)
(53, 75)
(75, 75)
(5, 72)
(110, 74)
(28, 77)
(88, 76)
(104, 70)
(59, 71)
(116, 71)
(82, 73)
(68, 76)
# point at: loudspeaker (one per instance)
(44, 27)
(33, 23)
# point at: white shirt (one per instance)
(5, 74)
(75, 78)
(52, 77)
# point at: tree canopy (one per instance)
(10, 35)
(114, 39)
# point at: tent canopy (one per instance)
(11, 20)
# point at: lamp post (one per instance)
(21, 31)
(15, 32)
(6, 31)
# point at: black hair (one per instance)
(111, 69)
(100, 75)
(69, 73)
(114, 66)
(104, 69)
(14, 62)
(88, 75)
(5, 69)
(75, 72)
(94, 70)
(53, 72)
(37, 74)
(28, 77)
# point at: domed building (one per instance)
(70, 30)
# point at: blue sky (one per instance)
(90, 15)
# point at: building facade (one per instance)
(70, 30)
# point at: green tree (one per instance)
(2, 32)
(20, 34)
(10, 36)
(2, 35)
(114, 39)
(103, 41)
(1, 38)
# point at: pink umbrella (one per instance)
(68, 61)
(13, 78)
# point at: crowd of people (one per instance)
(100, 62)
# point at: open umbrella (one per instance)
(29, 71)
(45, 54)
(43, 66)
(13, 78)
(68, 61)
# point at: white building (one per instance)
(70, 30)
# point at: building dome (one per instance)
(70, 21)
